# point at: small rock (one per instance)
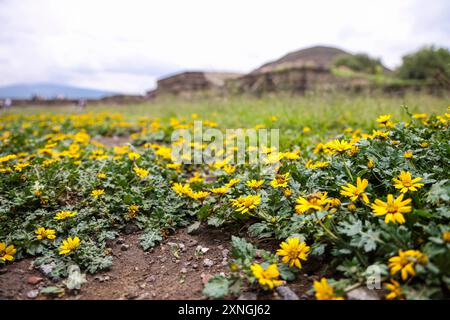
(183, 270)
(142, 285)
(220, 247)
(143, 296)
(56, 279)
(47, 268)
(362, 293)
(151, 279)
(205, 278)
(201, 249)
(247, 296)
(286, 293)
(162, 260)
(120, 241)
(182, 247)
(132, 294)
(192, 243)
(34, 280)
(208, 263)
(102, 278)
(32, 294)
(225, 252)
(187, 264)
(136, 268)
(194, 266)
(130, 228)
(124, 247)
(3, 270)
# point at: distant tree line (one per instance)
(427, 64)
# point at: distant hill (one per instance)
(49, 90)
(319, 56)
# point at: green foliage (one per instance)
(359, 63)
(429, 63)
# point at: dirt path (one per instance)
(173, 270)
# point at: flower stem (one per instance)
(348, 170)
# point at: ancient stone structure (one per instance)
(292, 80)
(188, 83)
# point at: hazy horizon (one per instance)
(124, 46)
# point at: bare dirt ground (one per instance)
(172, 270)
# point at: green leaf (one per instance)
(217, 287)
(286, 273)
(215, 221)
(193, 227)
(241, 249)
(149, 239)
(203, 213)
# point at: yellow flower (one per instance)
(291, 155)
(196, 178)
(408, 154)
(7, 252)
(405, 262)
(69, 245)
(133, 210)
(406, 183)
(446, 236)
(141, 173)
(232, 182)
(255, 184)
(229, 169)
(287, 192)
(244, 204)
(334, 202)
(316, 165)
(380, 134)
(396, 291)
(356, 192)
(220, 190)
(42, 233)
(292, 251)
(370, 164)
(317, 201)
(133, 155)
(101, 175)
(20, 166)
(340, 146)
(424, 144)
(198, 195)
(63, 215)
(97, 193)
(351, 207)
(393, 209)
(174, 166)
(306, 130)
(181, 189)
(324, 291)
(280, 180)
(383, 120)
(268, 278)
(420, 115)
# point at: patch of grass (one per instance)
(325, 114)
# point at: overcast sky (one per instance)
(125, 45)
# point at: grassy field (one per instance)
(325, 115)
